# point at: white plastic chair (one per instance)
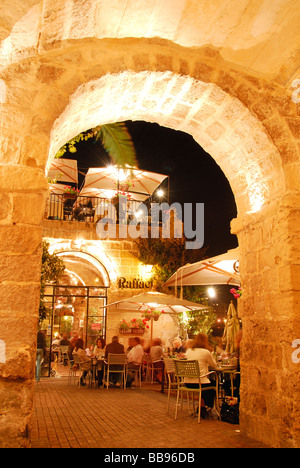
(114, 360)
(81, 365)
(190, 369)
(171, 377)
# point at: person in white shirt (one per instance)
(199, 352)
(134, 359)
(135, 355)
(156, 351)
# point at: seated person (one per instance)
(90, 351)
(156, 356)
(99, 351)
(177, 347)
(199, 352)
(115, 348)
(77, 211)
(64, 341)
(134, 357)
(86, 361)
(156, 351)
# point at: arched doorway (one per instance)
(75, 304)
(216, 76)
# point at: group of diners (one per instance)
(196, 349)
(100, 351)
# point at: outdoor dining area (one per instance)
(195, 375)
(170, 374)
(100, 191)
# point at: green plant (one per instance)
(71, 190)
(166, 256)
(196, 321)
(124, 325)
(139, 323)
(155, 313)
(236, 292)
(52, 268)
(115, 139)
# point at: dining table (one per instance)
(95, 362)
(229, 370)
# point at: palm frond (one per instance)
(118, 143)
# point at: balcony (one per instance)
(81, 213)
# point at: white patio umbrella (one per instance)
(108, 194)
(64, 170)
(57, 189)
(156, 301)
(222, 269)
(140, 184)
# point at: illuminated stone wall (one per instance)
(221, 71)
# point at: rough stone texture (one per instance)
(222, 73)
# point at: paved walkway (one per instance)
(80, 417)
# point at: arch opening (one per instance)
(223, 126)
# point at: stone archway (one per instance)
(253, 166)
(242, 116)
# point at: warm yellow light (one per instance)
(160, 193)
(211, 292)
(148, 268)
(138, 214)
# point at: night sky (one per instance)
(194, 176)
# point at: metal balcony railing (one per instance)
(88, 209)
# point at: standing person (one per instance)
(41, 350)
(199, 352)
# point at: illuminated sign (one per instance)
(135, 283)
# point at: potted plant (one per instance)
(236, 292)
(155, 314)
(124, 327)
(70, 192)
(138, 326)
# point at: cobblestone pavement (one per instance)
(68, 416)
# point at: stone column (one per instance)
(22, 202)
(269, 308)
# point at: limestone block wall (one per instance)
(23, 193)
(118, 256)
(222, 73)
(269, 309)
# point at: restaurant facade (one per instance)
(97, 272)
